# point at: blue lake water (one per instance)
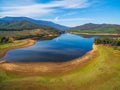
(63, 48)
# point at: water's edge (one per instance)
(29, 42)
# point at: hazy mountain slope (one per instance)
(96, 28)
(17, 25)
(40, 22)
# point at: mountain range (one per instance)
(25, 29)
(25, 23)
(19, 25)
(39, 22)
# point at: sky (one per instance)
(65, 12)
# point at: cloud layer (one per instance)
(32, 8)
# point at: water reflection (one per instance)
(62, 48)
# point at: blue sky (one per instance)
(65, 12)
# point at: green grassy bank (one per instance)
(4, 47)
(102, 73)
(15, 43)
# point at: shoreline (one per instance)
(49, 68)
(29, 42)
(97, 34)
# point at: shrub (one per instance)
(6, 40)
(111, 41)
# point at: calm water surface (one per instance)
(62, 48)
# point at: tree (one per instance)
(10, 40)
(6, 40)
(117, 30)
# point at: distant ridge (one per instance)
(39, 22)
(96, 28)
(6, 25)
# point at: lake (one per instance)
(62, 48)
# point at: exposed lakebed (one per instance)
(63, 48)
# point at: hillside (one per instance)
(39, 22)
(96, 28)
(22, 28)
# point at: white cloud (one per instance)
(76, 19)
(69, 14)
(31, 8)
(70, 3)
(56, 19)
(69, 19)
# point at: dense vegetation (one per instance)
(6, 40)
(97, 28)
(111, 41)
(25, 29)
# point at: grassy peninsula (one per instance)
(4, 47)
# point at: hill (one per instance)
(22, 29)
(96, 28)
(39, 22)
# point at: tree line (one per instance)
(6, 40)
(111, 41)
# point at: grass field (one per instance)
(101, 73)
(16, 43)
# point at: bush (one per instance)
(6, 40)
(10, 40)
(111, 41)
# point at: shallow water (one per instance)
(63, 48)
